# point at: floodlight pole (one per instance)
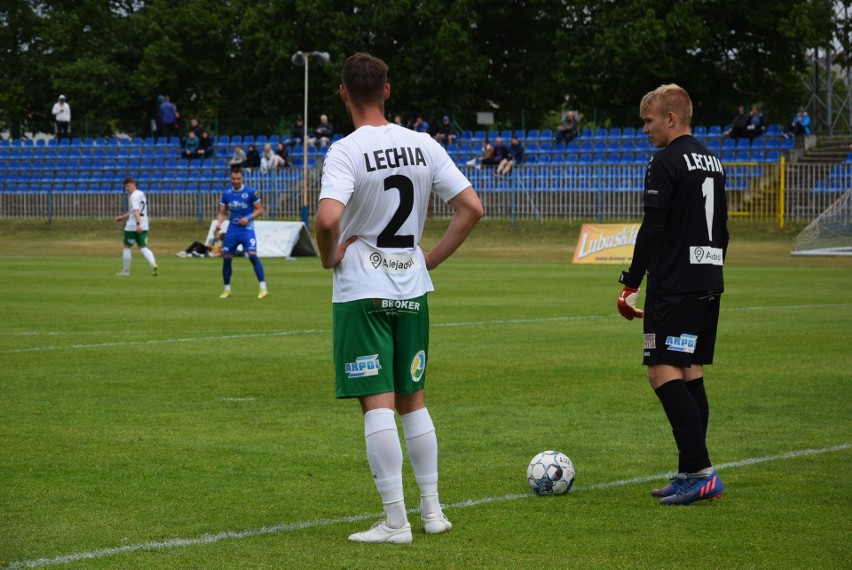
(302, 58)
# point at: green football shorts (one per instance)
(135, 238)
(380, 345)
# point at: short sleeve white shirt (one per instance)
(385, 177)
(137, 202)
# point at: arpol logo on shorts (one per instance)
(682, 343)
(364, 366)
(418, 366)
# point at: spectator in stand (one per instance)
(323, 132)
(297, 133)
(754, 127)
(190, 146)
(486, 156)
(168, 117)
(205, 145)
(281, 151)
(62, 117)
(239, 157)
(420, 125)
(516, 156)
(800, 126)
(446, 133)
(270, 160)
(195, 127)
(501, 153)
(737, 130)
(568, 129)
(252, 157)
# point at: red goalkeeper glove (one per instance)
(627, 304)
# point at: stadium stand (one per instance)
(615, 155)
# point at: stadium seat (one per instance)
(700, 131)
(600, 134)
(773, 156)
(715, 131)
(546, 135)
(628, 133)
(587, 134)
(729, 144)
(492, 134)
(787, 144)
(506, 135)
(479, 136)
(743, 156)
(773, 130)
(614, 133)
(520, 134)
(743, 144)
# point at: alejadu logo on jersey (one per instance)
(683, 343)
(364, 366)
(391, 262)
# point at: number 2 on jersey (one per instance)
(388, 236)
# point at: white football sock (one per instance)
(126, 256)
(384, 453)
(149, 256)
(422, 447)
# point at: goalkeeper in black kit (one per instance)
(681, 245)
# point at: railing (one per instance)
(756, 191)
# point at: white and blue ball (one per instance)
(550, 473)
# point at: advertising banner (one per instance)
(606, 244)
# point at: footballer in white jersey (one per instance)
(135, 229)
(395, 170)
(376, 187)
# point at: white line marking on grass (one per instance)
(316, 331)
(284, 528)
(165, 341)
(236, 399)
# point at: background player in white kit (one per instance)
(376, 187)
(136, 228)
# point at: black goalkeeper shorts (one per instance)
(680, 328)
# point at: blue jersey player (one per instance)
(241, 206)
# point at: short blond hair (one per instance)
(670, 98)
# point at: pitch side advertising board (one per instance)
(606, 244)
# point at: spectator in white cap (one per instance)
(62, 118)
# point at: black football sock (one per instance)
(685, 419)
(696, 388)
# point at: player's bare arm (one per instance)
(328, 233)
(468, 211)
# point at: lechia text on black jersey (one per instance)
(394, 158)
(696, 161)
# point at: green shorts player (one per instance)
(136, 228)
(376, 187)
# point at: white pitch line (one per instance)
(316, 331)
(291, 527)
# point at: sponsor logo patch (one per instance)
(418, 366)
(391, 262)
(683, 343)
(650, 341)
(364, 366)
(705, 255)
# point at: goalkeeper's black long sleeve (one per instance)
(647, 239)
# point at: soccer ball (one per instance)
(550, 473)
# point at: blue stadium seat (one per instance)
(743, 144)
(546, 135)
(629, 133)
(506, 134)
(479, 136)
(773, 156)
(743, 156)
(773, 130)
(520, 134)
(614, 133)
(787, 144)
(700, 131)
(600, 134)
(613, 146)
(492, 134)
(715, 131)
(729, 144)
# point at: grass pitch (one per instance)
(148, 424)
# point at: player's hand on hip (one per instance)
(341, 251)
(627, 304)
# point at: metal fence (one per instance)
(775, 192)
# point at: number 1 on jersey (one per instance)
(707, 190)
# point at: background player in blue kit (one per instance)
(242, 206)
